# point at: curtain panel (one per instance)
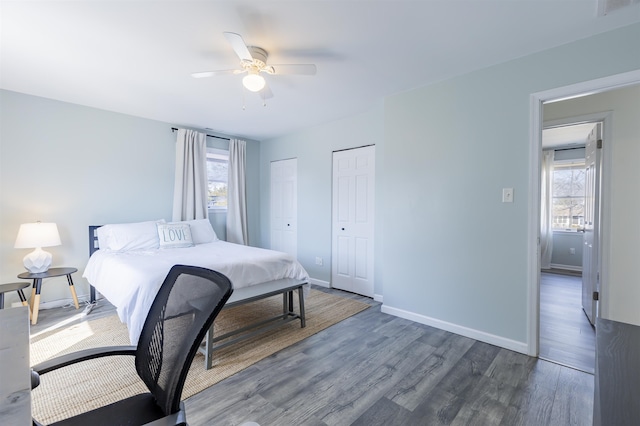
(546, 206)
(236, 197)
(190, 190)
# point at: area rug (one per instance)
(91, 384)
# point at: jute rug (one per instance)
(91, 384)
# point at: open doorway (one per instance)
(567, 334)
(615, 95)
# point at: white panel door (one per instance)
(590, 255)
(284, 206)
(352, 220)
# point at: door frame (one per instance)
(536, 101)
(604, 118)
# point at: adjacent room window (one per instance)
(218, 176)
(568, 195)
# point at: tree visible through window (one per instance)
(218, 176)
(568, 196)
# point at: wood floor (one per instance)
(376, 369)
(566, 336)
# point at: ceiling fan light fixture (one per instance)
(253, 82)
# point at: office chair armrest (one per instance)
(84, 355)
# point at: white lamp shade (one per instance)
(37, 235)
(32, 235)
(253, 82)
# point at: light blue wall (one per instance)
(569, 154)
(314, 150)
(561, 256)
(77, 166)
(447, 249)
(80, 166)
(457, 253)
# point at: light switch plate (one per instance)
(507, 195)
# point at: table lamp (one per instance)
(37, 235)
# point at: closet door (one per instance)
(352, 220)
(284, 206)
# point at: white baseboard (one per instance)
(566, 267)
(51, 304)
(458, 329)
(321, 283)
(327, 284)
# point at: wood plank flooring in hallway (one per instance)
(566, 336)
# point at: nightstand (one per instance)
(37, 283)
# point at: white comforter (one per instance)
(130, 280)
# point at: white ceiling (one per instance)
(136, 57)
(566, 136)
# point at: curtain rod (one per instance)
(173, 129)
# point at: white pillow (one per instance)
(129, 236)
(174, 235)
(201, 231)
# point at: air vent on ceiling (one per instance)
(607, 6)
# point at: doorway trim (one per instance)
(535, 148)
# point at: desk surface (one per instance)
(617, 379)
(15, 379)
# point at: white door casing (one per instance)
(537, 100)
(353, 220)
(284, 206)
(590, 256)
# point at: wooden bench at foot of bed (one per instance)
(244, 295)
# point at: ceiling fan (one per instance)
(253, 62)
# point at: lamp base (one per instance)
(37, 261)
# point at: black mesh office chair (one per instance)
(188, 301)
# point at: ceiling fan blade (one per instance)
(239, 46)
(300, 69)
(204, 74)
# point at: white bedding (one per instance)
(130, 280)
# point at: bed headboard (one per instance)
(93, 238)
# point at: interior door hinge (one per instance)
(596, 295)
(599, 144)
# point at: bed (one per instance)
(128, 263)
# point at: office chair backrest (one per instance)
(187, 303)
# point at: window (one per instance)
(568, 195)
(218, 176)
